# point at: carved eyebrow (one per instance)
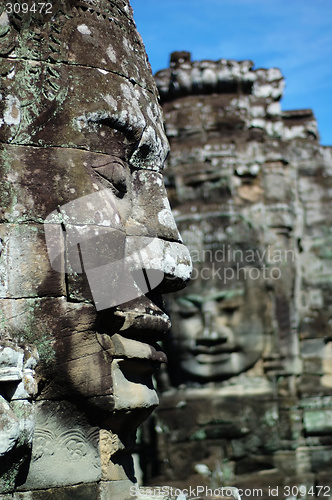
(189, 300)
(198, 300)
(112, 121)
(226, 294)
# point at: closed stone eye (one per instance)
(187, 313)
(229, 310)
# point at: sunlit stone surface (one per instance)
(82, 152)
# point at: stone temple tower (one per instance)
(248, 400)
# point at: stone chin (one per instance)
(129, 357)
(220, 366)
(133, 367)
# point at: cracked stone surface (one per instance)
(79, 121)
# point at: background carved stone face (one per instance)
(81, 117)
(220, 323)
(219, 333)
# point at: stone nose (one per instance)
(212, 329)
(166, 265)
(152, 228)
(151, 213)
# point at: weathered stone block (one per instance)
(65, 448)
(24, 252)
(71, 357)
(321, 459)
(317, 422)
(24, 172)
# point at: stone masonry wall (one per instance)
(236, 155)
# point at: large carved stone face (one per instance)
(82, 129)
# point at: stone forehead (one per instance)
(66, 73)
(32, 90)
(92, 33)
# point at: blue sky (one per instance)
(293, 35)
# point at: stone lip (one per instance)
(144, 320)
(216, 348)
(145, 325)
(134, 349)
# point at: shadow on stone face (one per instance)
(17, 388)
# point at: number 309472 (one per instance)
(24, 8)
